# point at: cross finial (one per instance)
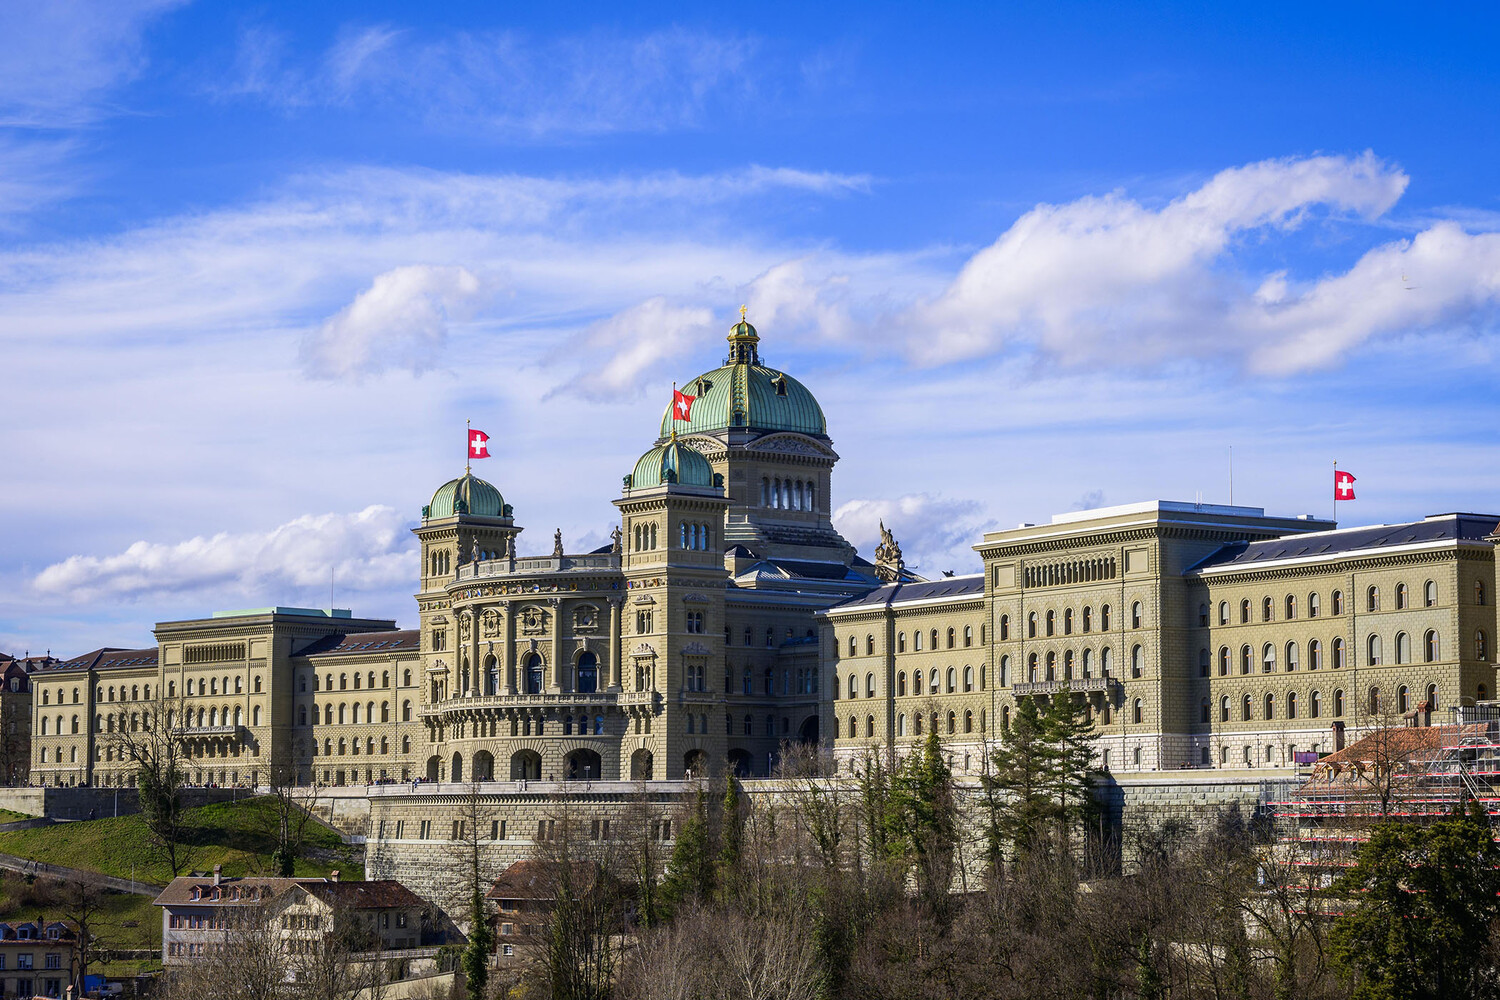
(742, 313)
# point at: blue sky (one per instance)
(259, 263)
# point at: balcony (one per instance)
(191, 732)
(538, 566)
(556, 699)
(1078, 685)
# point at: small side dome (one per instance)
(673, 462)
(467, 494)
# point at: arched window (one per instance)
(1088, 618)
(1068, 665)
(406, 711)
(1104, 617)
(1314, 704)
(1205, 662)
(1291, 656)
(1483, 692)
(968, 721)
(1135, 757)
(1403, 647)
(1374, 701)
(1004, 671)
(968, 636)
(1314, 606)
(952, 723)
(1400, 597)
(1203, 616)
(1430, 646)
(1223, 612)
(1372, 648)
(1314, 655)
(1088, 663)
(1203, 710)
(1245, 658)
(1432, 697)
(1135, 711)
(1270, 705)
(1265, 610)
(854, 685)
(869, 645)
(1223, 661)
(951, 634)
(1429, 593)
(1291, 606)
(1402, 698)
(1051, 622)
(968, 679)
(1245, 709)
(1135, 615)
(1224, 708)
(1136, 661)
(1479, 592)
(1481, 645)
(900, 642)
(1291, 705)
(1372, 599)
(1338, 653)
(1004, 627)
(869, 685)
(1245, 611)
(1051, 665)
(1104, 662)
(1031, 669)
(1068, 621)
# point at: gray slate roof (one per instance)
(955, 587)
(1439, 527)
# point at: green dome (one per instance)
(466, 495)
(673, 462)
(746, 394)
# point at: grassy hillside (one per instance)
(128, 922)
(240, 836)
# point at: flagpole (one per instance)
(1335, 493)
(467, 448)
(674, 409)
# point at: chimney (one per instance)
(333, 876)
(218, 874)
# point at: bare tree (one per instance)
(576, 951)
(290, 818)
(84, 903)
(15, 748)
(249, 962)
(340, 964)
(159, 755)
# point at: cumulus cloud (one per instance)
(1106, 277)
(367, 551)
(935, 533)
(400, 321)
(626, 350)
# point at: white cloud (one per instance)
(935, 533)
(503, 82)
(1108, 279)
(400, 321)
(367, 551)
(624, 351)
(59, 59)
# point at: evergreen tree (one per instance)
(476, 956)
(1068, 729)
(1017, 785)
(690, 872)
(731, 839)
(1424, 901)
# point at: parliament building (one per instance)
(729, 618)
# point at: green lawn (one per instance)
(11, 816)
(128, 922)
(239, 836)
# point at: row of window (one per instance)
(1048, 623)
(1045, 667)
(1078, 571)
(1431, 651)
(802, 681)
(787, 494)
(749, 636)
(932, 684)
(840, 731)
(644, 536)
(954, 636)
(1314, 603)
(343, 685)
(694, 536)
(1289, 705)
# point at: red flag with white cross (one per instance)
(479, 444)
(1343, 485)
(682, 405)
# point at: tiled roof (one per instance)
(111, 658)
(1440, 527)
(403, 640)
(534, 879)
(892, 594)
(180, 889)
(383, 894)
(1392, 744)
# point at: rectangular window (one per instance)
(23, 961)
(400, 825)
(54, 961)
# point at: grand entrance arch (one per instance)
(525, 765)
(584, 765)
(434, 767)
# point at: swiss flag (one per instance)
(1343, 485)
(479, 444)
(682, 405)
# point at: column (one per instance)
(508, 664)
(616, 640)
(557, 666)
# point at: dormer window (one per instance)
(779, 382)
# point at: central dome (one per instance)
(466, 495)
(744, 393)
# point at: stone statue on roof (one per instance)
(557, 550)
(889, 566)
(616, 537)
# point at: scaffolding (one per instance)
(1414, 773)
